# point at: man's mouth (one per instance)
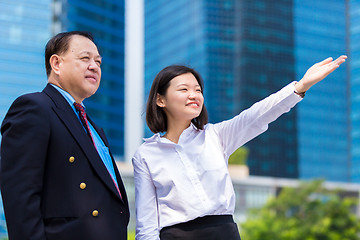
(91, 77)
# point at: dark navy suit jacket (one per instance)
(45, 156)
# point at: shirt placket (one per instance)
(193, 177)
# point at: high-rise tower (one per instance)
(105, 20)
(248, 49)
(244, 52)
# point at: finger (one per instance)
(340, 60)
(335, 64)
(325, 61)
(343, 56)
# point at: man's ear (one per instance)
(160, 100)
(55, 62)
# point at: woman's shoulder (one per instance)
(148, 143)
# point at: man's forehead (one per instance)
(83, 51)
(80, 43)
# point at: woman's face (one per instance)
(183, 100)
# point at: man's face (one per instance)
(79, 68)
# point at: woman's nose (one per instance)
(192, 94)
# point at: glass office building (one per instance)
(105, 20)
(265, 65)
(354, 72)
(200, 36)
(24, 30)
(323, 115)
(242, 58)
(173, 37)
(25, 27)
(247, 49)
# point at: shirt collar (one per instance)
(66, 95)
(157, 137)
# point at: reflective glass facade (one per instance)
(323, 116)
(173, 37)
(354, 34)
(203, 39)
(242, 58)
(24, 30)
(266, 64)
(247, 49)
(105, 20)
(25, 27)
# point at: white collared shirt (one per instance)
(176, 183)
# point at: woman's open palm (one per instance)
(318, 72)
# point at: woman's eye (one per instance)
(85, 58)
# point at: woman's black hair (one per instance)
(155, 116)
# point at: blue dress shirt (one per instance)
(102, 150)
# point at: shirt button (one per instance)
(71, 159)
(82, 185)
(95, 213)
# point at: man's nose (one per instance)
(94, 66)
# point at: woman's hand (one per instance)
(318, 72)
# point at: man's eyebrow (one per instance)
(89, 53)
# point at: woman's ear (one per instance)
(160, 100)
(55, 61)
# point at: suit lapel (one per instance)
(71, 121)
(101, 133)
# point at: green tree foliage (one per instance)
(131, 235)
(239, 157)
(309, 212)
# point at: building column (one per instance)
(134, 76)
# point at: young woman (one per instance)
(182, 185)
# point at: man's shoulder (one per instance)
(27, 107)
(32, 95)
(39, 98)
(30, 103)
